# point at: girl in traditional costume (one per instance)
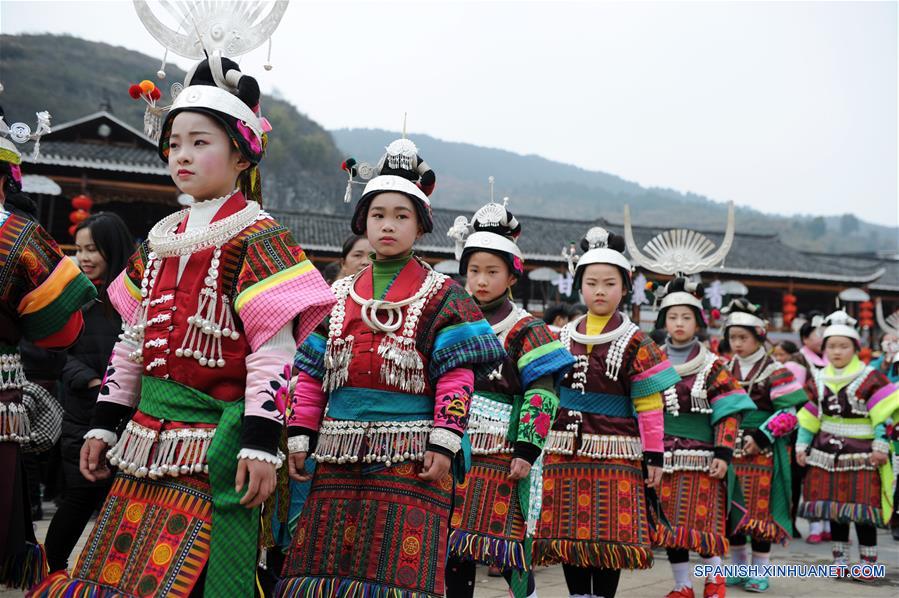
(702, 411)
(214, 304)
(382, 402)
(41, 295)
(844, 442)
(605, 446)
(512, 410)
(761, 456)
(702, 415)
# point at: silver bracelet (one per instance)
(298, 444)
(446, 439)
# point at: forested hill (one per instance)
(72, 77)
(544, 187)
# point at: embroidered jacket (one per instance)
(702, 413)
(776, 393)
(604, 409)
(846, 419)
(203, 331)
(514, 406)
(41, 295)
(385, 397)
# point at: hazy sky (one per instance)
(785, 107)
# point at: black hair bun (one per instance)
(495, 218)
(247, 86)
(598, 237)
(685, 285)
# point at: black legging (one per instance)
(591, 581)
(867, 534)
(757, 545)
(460, 577)
(75, 510)
(681, 555)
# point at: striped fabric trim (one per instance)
(479, 353)
(55, 315)
(808, 420)
(881, 394)
(785, 389)
(663, 377)
(554, 360)
(729, 403)
(656, 369)
(267, 306)
(461, 332)
(885, 407)
(310, 356)
(791, 399)
(125, 298)
(271, 282)
(65, 272)
(812, 408)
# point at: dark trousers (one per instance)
(75, 510)
(757, 545)
(867, 534)
(591, 581)
(460, 578)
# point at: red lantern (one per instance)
(789, 308)
(78, 216)
(866, 314)
(82, 202)
(72, 230)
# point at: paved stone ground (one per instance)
(656, 582)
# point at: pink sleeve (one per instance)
(121, 383)
(453, 398)
(308, 403)
(797, 370)
(652, 428)
(268, 379)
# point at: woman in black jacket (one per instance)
(103, 246)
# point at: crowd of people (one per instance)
(245, 425)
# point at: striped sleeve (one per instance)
(725, 395)
(808, 418)
(883, 402)
(537, 352)
(310, 356)
(50, 310)
(124, 292)
(276, 284)
(463, 338)
(786, 391)
(649, 370)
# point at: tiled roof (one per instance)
(98, 155)
(78, 144)
(543, 239)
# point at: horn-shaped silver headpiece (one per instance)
(679, 252)
(889, 325)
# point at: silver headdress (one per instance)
(19, 133)
(597, 251)
(679, 252)
(211, 29)
(839, 323)
(477, 232)
(212, 26)
(401, 153)
(890, 324)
